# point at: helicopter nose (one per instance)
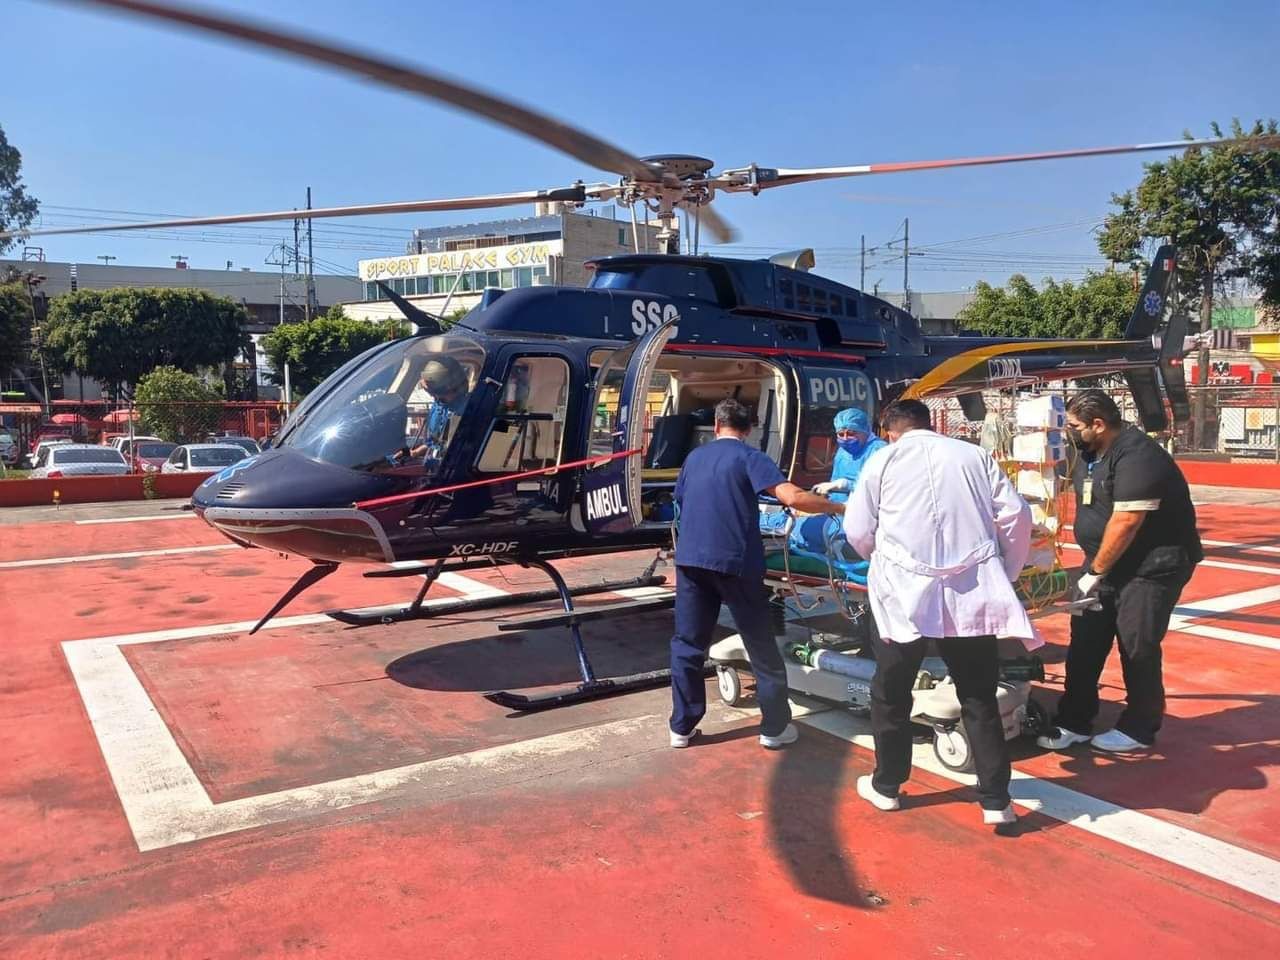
(282, 500)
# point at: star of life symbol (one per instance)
(231, 471)
(1152, 303)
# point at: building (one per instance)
(445, 269)
(259, 291)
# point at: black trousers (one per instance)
(974, 665)
(699, 594)
(1137, 612)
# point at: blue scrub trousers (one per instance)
(699, 594)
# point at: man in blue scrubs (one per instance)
(720, 559)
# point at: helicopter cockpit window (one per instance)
(527, 430)
(398, 412)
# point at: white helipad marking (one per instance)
(163, 799)
(1197, 609)
(93, 557)
(185, 515)
(1221, 564)
(1247, 547)
(1243, 869)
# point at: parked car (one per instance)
(34, 456)
(78, 460)
(202, 457)
(49, 432)
(148, 456)
(121, 443)
(10, 452)
(247, 444)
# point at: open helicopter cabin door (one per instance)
(611, 489)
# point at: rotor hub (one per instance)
(681, 166)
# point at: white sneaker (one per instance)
(681, 740)
(1062, 739)
(998, 817)
(788, 735)
(874, 797)
(1118, 742)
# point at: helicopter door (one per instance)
(611, 489)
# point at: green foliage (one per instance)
(1219, 206)
(117, 336)
(176, 405)
(15, 325)
(315, 349)
(1097, 307)
(17, 209)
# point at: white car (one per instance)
(34, 457)
(77, 460)
(202, 458)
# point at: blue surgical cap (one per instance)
(852, 419)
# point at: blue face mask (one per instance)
(852, 447)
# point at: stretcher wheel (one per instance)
(1037, 719)
(729, 684)
(953, 750)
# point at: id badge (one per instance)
(1086, 492)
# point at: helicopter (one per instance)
(552, 421)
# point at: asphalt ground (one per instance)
(175, 787)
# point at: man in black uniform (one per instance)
(1137, 528)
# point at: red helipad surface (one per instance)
(174, 787)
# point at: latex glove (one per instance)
(1087, 586)
(823, 489)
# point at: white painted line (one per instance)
(1234, 636)
(1225, 604)
(641, 593)
(163, 799)
(1240, 868)
(473, 589)
(1249, 547)
(1222, 564)
(93, 557)
(185, 515)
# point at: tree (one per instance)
(316, 348)
(17, 209)
(1097, 307)
(117, 336)
(15, 325)
(176, 405)
(1220, 207)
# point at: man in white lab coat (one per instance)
(946, 533)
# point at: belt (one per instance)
(901, 557)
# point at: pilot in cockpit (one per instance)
(445, 381)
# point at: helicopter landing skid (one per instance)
(590, 688)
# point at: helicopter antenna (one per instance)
(425, 322)
(452, 290)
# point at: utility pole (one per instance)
(311, 280)
(283, 250)
(906, 264)
(862, 274)
(106, 259)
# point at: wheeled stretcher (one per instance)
(826, 635)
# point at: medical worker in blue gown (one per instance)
(856, 443)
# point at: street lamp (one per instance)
(181, 261)
(106, 259)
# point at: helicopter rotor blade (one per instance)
(554, 133)
(764, 177)
(717, 225)
(574, 194)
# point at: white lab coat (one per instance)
(946, 534)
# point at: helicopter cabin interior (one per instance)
(680, 407)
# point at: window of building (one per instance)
(622, 236)
(507, 279)
(491, 280)
(524, 277)
(528, 428)
(539, 272)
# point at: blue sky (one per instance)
(117, 114)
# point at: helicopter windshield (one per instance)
(398, 412)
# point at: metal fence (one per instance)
(92, 422)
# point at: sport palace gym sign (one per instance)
(462, 261)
